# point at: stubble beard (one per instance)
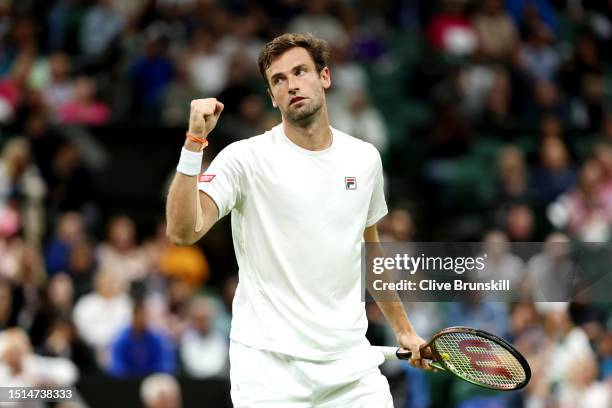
(306, 115)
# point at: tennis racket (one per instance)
(475, 356)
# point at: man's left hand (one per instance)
(415, 344)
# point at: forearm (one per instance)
(182, 206)
(181, 210)
(396, 316)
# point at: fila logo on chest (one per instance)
(350, 183)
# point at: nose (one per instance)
(292, 84)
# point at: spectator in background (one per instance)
(605, 351)
(138, 351)
(238, 85)
(151, 73)
(583, 388)
(187, 263)
(560, 345)
(100, 315)
(489, 316)
(584, 212)
(10, 251)
(208, 66)
(62, 341)
(524, 320)
(497, 34)
(69, 232)
(512, 184)
(83, 108)
(398, 226)
(451, 134)
(317, 20)
(360, 119)
(519, 223)
(546, 101)
(19, 36)
(450, 31)
(551, 272)
(20, 367)
(550, 127)
(606, 128)
(70, 181)
(12, 86)
(178, 96)
(30, 280)
(57, 302)
(22, 189)
(101, 25)
(247, 120)
(349, 75)
(203, 350)
(603, 155)
(500, 262)
(120, 252)
(8, 314)
(241, 39)
(44, 140)
(582, 78)
(523, 11)
(160, 391)
(555, 173)
(81, 267)
(58, 89)
(497, 110)
(475, 80)
(538, 54)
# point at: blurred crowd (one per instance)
(509, 101)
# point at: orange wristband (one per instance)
(197, 139)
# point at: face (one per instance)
(296, 87)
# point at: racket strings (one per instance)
(480, 360)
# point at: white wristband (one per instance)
(190, 163)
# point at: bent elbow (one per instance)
(177, 239)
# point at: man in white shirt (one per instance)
(303, 197)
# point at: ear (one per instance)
(325, 76)
(272, 98)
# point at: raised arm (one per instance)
(191, 213)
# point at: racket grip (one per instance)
(394, 353)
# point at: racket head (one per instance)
(480, 358)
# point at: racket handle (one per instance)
(393, 353)
(396, 353)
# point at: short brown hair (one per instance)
(316, 47)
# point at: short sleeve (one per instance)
(223, 181)
(378, 205)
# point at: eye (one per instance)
(301, 71)
(277, 80)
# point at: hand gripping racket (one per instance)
(475, 356)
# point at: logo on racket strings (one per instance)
(478, 360)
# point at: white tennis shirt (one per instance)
(298, 218)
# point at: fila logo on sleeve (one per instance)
(350, 183)
(206, 178)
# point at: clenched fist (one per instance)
(204, 115)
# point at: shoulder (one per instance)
(357, 149)
(354, 145)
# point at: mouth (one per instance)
(296, 99)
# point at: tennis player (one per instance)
(303, 197)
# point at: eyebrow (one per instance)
(281, 74)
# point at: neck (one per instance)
(315, 135)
